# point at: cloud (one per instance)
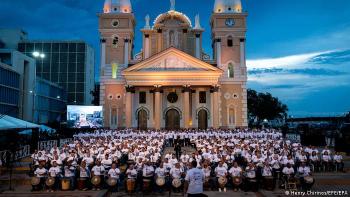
(305, 71)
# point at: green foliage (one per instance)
(264, 106)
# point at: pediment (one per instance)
(171, 60)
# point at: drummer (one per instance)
(41, 173)
(114, 173)
(250, 182)
(84, 174)
(236, 172)
(55, 172)
(160, 172)
(148, 173)
(98, 170)
(176, 172)
(131, 173)
(303, 172)
(220, 171)
(288, 172)
(69, 173)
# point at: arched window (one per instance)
(171, 38)
(230, 71)
(115, 41)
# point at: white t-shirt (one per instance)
(54, 171)
(160, 172)
(98, 170)
(220, 171)
(288, 171)
(235, 171)
(132, 174)
(40, 172)
(114, 173)
(176, 172)
(195, 177)
(147, 171)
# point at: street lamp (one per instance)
(37, 54)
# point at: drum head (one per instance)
(308, 179)
(50, 181)
(96, 180)
(35, 181)
(222, 180)
(176, 183)
(112, 182)
(160, 181)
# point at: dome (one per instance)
(227, 6)
(172, 14)
(117, 6)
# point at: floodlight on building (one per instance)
(58, 97)
(42, 55)
(30, 91)
(36, 54)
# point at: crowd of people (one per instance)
(134, 160)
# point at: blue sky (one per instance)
(299, 50)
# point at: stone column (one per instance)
(242, 49)
(186, 106)
(147, 48)
(128, 106)
(198, 50)
(103, 55)
(160, 37)
(157, 107)
(215, 106)
(126, 52)
(218, 51)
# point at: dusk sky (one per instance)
(299, 50)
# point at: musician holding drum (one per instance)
(97, 176)
(38, 182)
(83, 176)
(160, 177)
(113, 178)
(288, 173)
(221, 173)
(250, 179)
(54, 175)
(236, 175)
(131, 173)
(176, 173)
(305, 177)
(69, 176)
(267, 177)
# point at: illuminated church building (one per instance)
(172, 83)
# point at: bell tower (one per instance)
(116, 27)
(228, 27)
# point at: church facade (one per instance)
(172, 83)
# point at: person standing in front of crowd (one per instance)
(220, 171)
(69, 172)
(55, 172)
(303, 172)
(194, 181)
(41, 173)
(338, 161)
(98, 170)
(114, 173)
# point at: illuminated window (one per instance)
(230, 70)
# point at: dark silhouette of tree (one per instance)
(264, 106)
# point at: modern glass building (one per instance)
(67, 63)
(50, 102)
(9, 91)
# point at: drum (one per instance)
(112, 182)
(96, 180)
(206, 182)
(50, 181)
(35, 181)
(65, 184)
(81, 183)
(236, 180)
(176, 183)
(222, 181)
(146, 185)
(130, 185)
(308, 179)
(269, 183)
(160, 181)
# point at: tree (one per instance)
(264, 106)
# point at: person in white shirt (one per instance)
(98, 170)
(41, 173)
(69, 172)
(176, 173)
(84, 173)
(220, 171)
(288, 172)
(250, 181)
(194, 181)
(114, 173)
(236, 173)
(303, 172)
(338, 161)
(315, 160)
(326, 161)
(161, 172)
(55, 172)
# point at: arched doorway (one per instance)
(172, 119)
(142, 119)
(202, 119)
